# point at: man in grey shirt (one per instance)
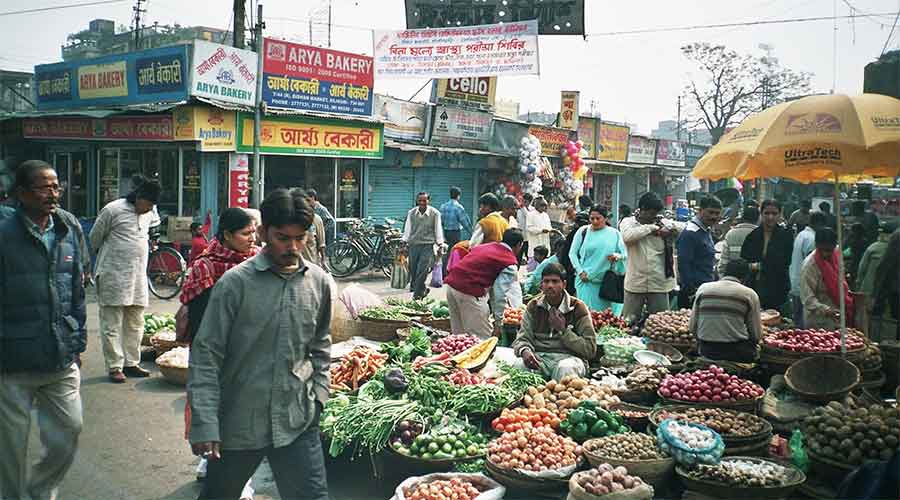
(259, 363)
(424, 235)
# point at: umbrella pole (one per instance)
(843, 305)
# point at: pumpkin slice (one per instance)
(477, 355)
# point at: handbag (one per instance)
(612, 288)
(400, 273)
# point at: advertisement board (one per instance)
(214, 128)
(461, 128)
(239, 180)
(307, 78)
(476, 91)
(552, 139)
(669, 153)
(146, 76)
(614, 142)
(458, 52)
(223, 73)
(555, 17)
(568, 109)
(113, 128)
(402, 119)
(309, 136)
(693, 153)
(641, 149)
(587, 134)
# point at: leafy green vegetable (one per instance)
(379, 312)
(373, 390)
(481, 399)
(404, 351)
(518, 381)
(610, 332)
(473, 467)
(369, 423)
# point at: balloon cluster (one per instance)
(571, 158)
(530, 164)
(570, 187)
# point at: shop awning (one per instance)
(405, 146)
(676, 172)
(607, 167)
(93, 113)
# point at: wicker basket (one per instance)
(822, 378)
(380, 330)
(747, 406)
(415, 466)
(717, 489)
(637, 424)
(162, 345)
(674, 355)
(646, 398)
(730, 440)
(174, 375)
(439, 324)
(657, 473)
(520, 482)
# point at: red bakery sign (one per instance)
(116, 128)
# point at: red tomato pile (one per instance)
(454, 344)
(513, 316)
(812, 341)
(442, 489)
(524, 418)
(536, 449)
(607, 318)
(708, 386)
(463, 377)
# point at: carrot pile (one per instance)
(358, 366)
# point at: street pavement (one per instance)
(133, 447)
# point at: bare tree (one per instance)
(731, 86)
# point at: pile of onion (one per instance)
(712, 385)
(536, 449)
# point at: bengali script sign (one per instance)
(669, 153)
(313, 137)
(555, 17)
(641, 149)
(214, 128)
(614, 142)
(130, 128)
(461, 128)
(487, 50)
(587, 134)
(310, 78)
(568, 109)
(146, 76)
(552, 139)
(224, 73)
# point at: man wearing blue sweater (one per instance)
(696, 252)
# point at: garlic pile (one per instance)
(165, 335)
(176, 358)
(693, 437)
(744, 473)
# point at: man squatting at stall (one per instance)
(557, 336)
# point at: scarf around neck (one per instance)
(209, 267)
(829, 271)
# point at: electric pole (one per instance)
(256, 192)
(678, 121)
(137, 23)
(239, 10)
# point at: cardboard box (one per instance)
(179, 229)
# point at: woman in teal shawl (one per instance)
(595, 249)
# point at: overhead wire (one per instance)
(60, 7)
(891, 34)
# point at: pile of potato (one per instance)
(646, 378)
(560, 397)
(605, 479)
(627, 446)
(671, 327)
(852, 435)
(726, 422)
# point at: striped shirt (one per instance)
(726, 311)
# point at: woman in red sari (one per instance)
(234, 243)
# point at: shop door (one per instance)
(391, 192)
(438, 181)
(71, 168)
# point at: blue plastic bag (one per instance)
(682, 453)
(437, 275)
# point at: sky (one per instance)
(624, 78)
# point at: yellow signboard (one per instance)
(614, 141)
(473, 91)
(103, 80)
(215, 128)
(568, 109)
(313, 137)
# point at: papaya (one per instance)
(477, 355)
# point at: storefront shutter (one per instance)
(392, 192)
(438, 181)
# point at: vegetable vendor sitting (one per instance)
(557, 335)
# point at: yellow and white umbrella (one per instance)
(835, 138)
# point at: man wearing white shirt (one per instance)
(422, 232)
(804, 244)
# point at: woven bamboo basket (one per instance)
(730, 440)
(381, 330)
(174, 375)
(637, 424)
(747, 406)
(646, 398)
(439, 323)
(657, 473)
(520, 482)
(823, 378)
(162, 345)
(416, 466)
(717, 489)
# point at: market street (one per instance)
(132, 446)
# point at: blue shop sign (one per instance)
(147, 76)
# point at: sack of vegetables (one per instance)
(589, 420)
(689, 443)
(447, 485)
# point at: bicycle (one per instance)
(166, 269)
(365, 244)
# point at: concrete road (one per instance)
(133, 446)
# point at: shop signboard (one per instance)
(307, 78)
(614, 142)
(113, 128)
(146, 76)
(640, 149)
(460, 128)
(555, 17)
(669, 153)
(239, 180)
(310, 136)
(402, 119)
(213, 127)
(458, 52)
(476, 91)
(223, 73)
(568, 109)
(552, 139)
(587, 134)
(693, 153)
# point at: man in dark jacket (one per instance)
(42, 334)
(696, 252)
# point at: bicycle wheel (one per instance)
(166, 271)
(343, 258)
(388, 255)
